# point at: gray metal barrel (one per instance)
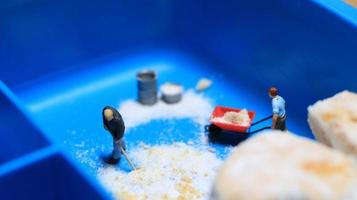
(147, 87)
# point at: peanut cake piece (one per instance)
(279, 165)
(334, 121)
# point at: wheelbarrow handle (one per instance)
(261, 129)
(259, 121)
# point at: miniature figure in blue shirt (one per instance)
(113, 122)
(279, 113)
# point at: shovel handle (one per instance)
(127, 158)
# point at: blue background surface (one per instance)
(64, 60)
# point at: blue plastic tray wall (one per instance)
(32, 167)
(305, 50)
(40, 37)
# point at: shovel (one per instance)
(127, 158)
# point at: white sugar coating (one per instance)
(240, 118)
(171, 89)
(203, 84)
(192, 105)
(280, 165)
(176, 171)
(170, 171)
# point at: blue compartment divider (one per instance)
(30, 165)
(18, 135)
(341, 9)
(52, 177)
(26, 160)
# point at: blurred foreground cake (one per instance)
(279, 165)
(334, 121)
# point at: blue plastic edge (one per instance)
(341, 9)
(45, 152)
(26, 159)
(18, 105)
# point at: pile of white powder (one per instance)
(170, 171)
(171, 89)
(192, 105)
(240, 118)
(176, 171)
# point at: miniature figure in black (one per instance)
(279, 113)
(113, 122)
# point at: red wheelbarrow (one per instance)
(230, 133)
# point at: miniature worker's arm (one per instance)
(119, 128)
(275, 115)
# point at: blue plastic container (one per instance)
(61, 61)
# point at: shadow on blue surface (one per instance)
(57, 178)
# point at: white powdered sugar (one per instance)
(166, 171)
(171, 89)
(192, 105)
(176, 171)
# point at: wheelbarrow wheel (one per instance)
(213, 131)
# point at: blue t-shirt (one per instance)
(278, 104)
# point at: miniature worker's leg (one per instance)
(280, 124)
(122, 143)
(116, 154)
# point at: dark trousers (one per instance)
(280, 123)
(117, 145)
